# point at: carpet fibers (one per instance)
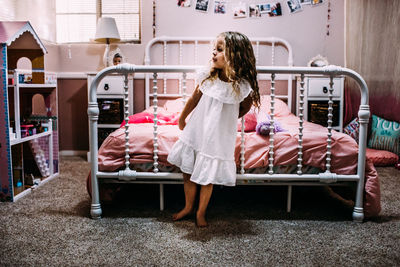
(248, 227)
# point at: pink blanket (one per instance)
(344, 150)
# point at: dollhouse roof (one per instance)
(20, 35)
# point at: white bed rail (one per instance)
(183, 42)
(162, 177)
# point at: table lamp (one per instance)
(106, 32)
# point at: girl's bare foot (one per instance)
(182, 214)
(201, 221)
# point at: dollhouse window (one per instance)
(24, 63)
(76, 20)
(38, 105)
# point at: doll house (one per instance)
(28, 113)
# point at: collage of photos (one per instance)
(242, 9)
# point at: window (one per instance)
(76, 19)
(7, 11)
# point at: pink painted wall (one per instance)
(305, 31)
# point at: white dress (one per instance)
(206, 146)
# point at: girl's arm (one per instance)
(245, 106)
(190, 105)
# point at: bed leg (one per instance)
(358, 211)
(161, 197)
(289, 199)
(95, 211)
(358, 215)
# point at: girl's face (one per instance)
(117, 60)
(218, 55)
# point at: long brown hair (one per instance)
(241, 63)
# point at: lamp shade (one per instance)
(107, 30)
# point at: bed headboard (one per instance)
(166, 50)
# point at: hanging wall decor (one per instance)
(276, 10)
(254, 11)
(264, 8)
(328, 18)
(294, 5)
(240, 10)
(183, 3)
(219, 7)
(202, 5)
(154, 18)
(316, 2)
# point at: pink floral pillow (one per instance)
(352, 129)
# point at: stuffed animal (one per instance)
(264, 122)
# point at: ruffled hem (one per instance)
(204, 169)
(182, 156)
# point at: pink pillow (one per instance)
(281, 108)
(250, 121)
(382, 157)
(145, 117)
(174, 106)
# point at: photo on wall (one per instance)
(219, 7)
(276, 10)
(184, 3)
(305, 2)
(254, 11)
(239, 10)
(316, 2)
(294, 6)
(264, 8)
(202, 5)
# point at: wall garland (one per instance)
(241, 9)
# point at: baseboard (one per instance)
(80, 153)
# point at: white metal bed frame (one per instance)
(259, 43)
(271, 178)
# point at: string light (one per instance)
(154, 18)
(328, 18)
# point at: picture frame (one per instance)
(316, 2)
(318, 61)
(294, 6)
(202, 5)
(254, 11)
(264, 8)
(305, 2)
(276, 10)
(219, 7)
(240, 10)
(183, 3)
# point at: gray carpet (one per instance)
(248, 227)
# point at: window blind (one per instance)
(7, 11)
(76, 20)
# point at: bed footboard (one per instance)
(158, 177)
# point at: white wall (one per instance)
(41, 14)
(305, 31)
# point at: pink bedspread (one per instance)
(344, 151)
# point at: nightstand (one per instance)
(316, 96)
(110, 98)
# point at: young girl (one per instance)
(205, 149)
